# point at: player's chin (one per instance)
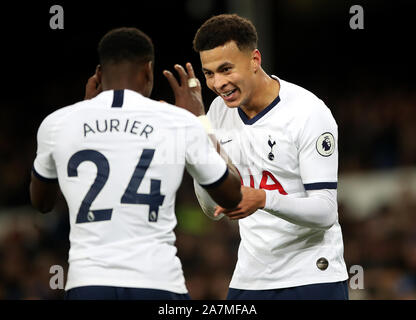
(233, 103)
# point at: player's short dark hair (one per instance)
(220, 29)
(125, 45)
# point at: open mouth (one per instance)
(228, 95)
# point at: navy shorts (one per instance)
(319, 291)
(119, 293)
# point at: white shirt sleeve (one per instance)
(203, 162)
(317, 142)
(207, 204)
(44, 164)
(318, 210)
(318, 150)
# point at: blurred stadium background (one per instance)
(366, 77)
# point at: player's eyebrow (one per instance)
(220, 67)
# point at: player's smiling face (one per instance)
(229, 73)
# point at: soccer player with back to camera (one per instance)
(119, 160)
(283, 141)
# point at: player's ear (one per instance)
(149, 71)
(148, 74)
(149, 67)
(98, 72)
(256, 60)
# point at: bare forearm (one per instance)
(43, 195)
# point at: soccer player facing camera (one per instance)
(283, 141)
(119, 160)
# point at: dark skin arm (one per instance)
(228, 194)
(43, 195)
(252, 199)
(185, 97)
(93, 86)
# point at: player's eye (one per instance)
(226, 69)
(207, 73)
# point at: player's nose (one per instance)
(219, 82)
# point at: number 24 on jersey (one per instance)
(154, 199)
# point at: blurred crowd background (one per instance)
(364, 76)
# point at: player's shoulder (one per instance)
(303, 104)
(61, 113)
(301, 100)
(171, 113)
(218, 108)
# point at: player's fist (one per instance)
(188, 92)
(253, 199)
(93, 86)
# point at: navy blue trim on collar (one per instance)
(118, 99)
(258, 116)
(321, 185)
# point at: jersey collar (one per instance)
(258, 116)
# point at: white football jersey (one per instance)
(119, 159)
(289, 147)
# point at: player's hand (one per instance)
(253, 199)
(187, 94)
(93, 86)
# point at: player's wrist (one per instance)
(261, 199)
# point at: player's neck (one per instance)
(265, 92)
(123, 76)
(121, 85)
